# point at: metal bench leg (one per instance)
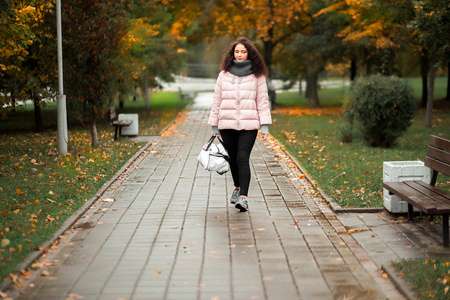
(410, 212)
(115, 133)
(445, 230)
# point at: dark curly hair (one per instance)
(258, 66)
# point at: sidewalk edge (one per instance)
(401, 284)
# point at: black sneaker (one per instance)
(242, 204)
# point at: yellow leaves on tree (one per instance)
(178, 28)
(19, 32)
(269, 19)
(368, 21)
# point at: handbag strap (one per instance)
(227, 158)
(211, 140)
(220, 140)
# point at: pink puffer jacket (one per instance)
(241, 103)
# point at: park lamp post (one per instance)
(61, 98)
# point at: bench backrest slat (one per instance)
(440, 142)
(438, 155)
(111, 114)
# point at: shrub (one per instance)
(382, 108)
(346, 133)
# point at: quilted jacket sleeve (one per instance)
(217, 100)
(262, 102)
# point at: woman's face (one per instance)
(240, 52)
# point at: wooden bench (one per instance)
(188, 95)
(427, 197)
(118, 124)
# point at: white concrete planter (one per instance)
(133, 129)
(395, 171)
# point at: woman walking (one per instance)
(240, 108)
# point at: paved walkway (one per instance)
(165, 230)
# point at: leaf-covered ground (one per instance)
(39, 190)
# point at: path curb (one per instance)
(399, 283)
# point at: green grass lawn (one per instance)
(428, 278)
(351, 174)
(39, 190)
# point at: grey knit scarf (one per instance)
(241, 68)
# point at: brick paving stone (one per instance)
(171, 233)
(386, 238)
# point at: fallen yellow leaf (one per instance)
(14, 278)
(4, 243)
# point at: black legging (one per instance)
(239, 144)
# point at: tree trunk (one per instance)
(368, 62)
(429, 112)
(391, 57)
(94, 134)
(121, 100)
(300, 88)
(37, 115)
(13, 102)
(353, 69)
(424, 74)
(268, 44)
(147, 94)
(268, 51)
(312, 75)
(368, 68)
(448, 82)
(387, 67)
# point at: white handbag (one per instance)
(214, 157)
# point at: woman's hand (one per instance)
(264, 136)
